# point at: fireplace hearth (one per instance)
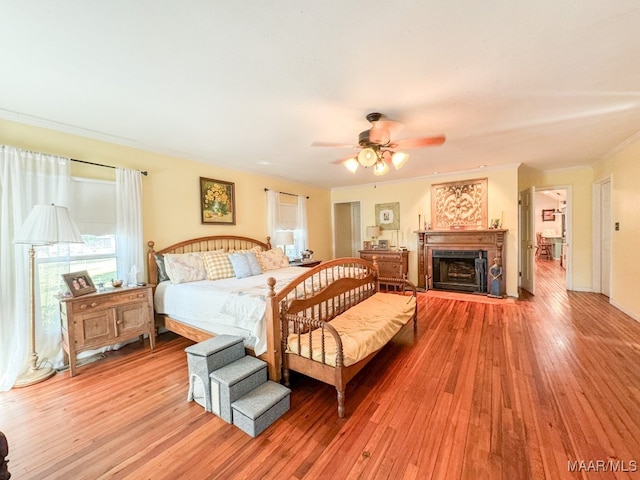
(460, 270)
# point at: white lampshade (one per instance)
(283, 237)
(380, 168)
(399, 159)
(367, 157)
(351, 164)
(373, 231)
(48, 224)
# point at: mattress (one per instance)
(228, 306)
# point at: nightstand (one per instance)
(105, 318)
(311, 263)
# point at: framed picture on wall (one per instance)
(388, 216)
(217, 202)
(548, 216)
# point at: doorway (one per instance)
(347, 232)
(545, 211)
(551, 219)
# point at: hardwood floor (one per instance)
(502, 390)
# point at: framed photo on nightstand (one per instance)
(383, 244)
(78, 283)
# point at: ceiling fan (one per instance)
(377, 150)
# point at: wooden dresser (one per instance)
(391, 263)
(105, 318)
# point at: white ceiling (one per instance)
(251, 84)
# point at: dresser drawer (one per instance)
(391, 264)
(106, 301)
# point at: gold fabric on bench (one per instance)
(363, 328)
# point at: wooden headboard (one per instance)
(202, 244)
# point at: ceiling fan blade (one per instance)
(334, 144)
(418, 142)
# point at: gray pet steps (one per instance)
(233, 381)
(206, 356)
(259, 408)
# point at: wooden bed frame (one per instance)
(205, 244)
(307, 284)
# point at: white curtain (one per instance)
(129, 240)
(302, 240)
(26, 179)
(273, 208)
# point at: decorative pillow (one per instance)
(162, 271)
(184, 267)
(254, 264)
(218, 265)
(243, 266)
(272, 259)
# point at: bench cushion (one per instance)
(363, 328)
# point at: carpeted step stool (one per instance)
(205, 357)
(233, 385)
(259, 408)
(234, 380)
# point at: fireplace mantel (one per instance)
(491, 240)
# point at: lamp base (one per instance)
(33, 376)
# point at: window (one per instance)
(289, 214)
(93, 210)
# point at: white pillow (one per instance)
(185, 267)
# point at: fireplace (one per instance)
(490, 241)
(459, 270)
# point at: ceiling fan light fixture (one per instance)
(367, 157)
(351, 164)
(399, 159)
(380, 168)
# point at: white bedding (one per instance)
(224, 306)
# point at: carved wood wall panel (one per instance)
(459, 205)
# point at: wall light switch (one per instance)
(617, 226)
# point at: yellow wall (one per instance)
(171, 191)
(581, 181)
(414, 197)
(624, 170)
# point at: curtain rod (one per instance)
(286, 193)
(145, 173)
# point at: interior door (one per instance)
(527, 241)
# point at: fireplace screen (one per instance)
(460, 270)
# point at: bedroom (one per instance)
(171, 203)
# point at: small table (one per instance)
(105, 318)
(308, 263)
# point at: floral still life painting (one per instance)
(217, 202)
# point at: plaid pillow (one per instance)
(217, 265)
